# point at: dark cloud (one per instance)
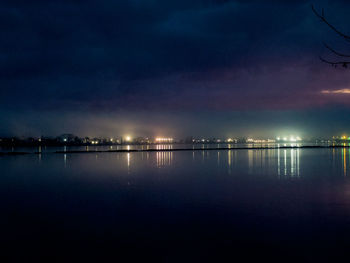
(107, 56)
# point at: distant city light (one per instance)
(251, 140)
(128, 138)
(292, 138)
(159, 139)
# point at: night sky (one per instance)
(172, 68)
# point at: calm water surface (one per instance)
(287, 204)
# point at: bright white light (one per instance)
(128, 138)
(292, 138)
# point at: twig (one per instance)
(323, 19)
(336, 63)
(336, 52)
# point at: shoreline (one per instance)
(178, 150)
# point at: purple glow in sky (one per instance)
(214, 67)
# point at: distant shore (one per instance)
(181, 149)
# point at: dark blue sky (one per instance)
(200, 67)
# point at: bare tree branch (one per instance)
(323, 19)
(336, 52)
(336, 63)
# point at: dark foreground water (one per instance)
(219, 206)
